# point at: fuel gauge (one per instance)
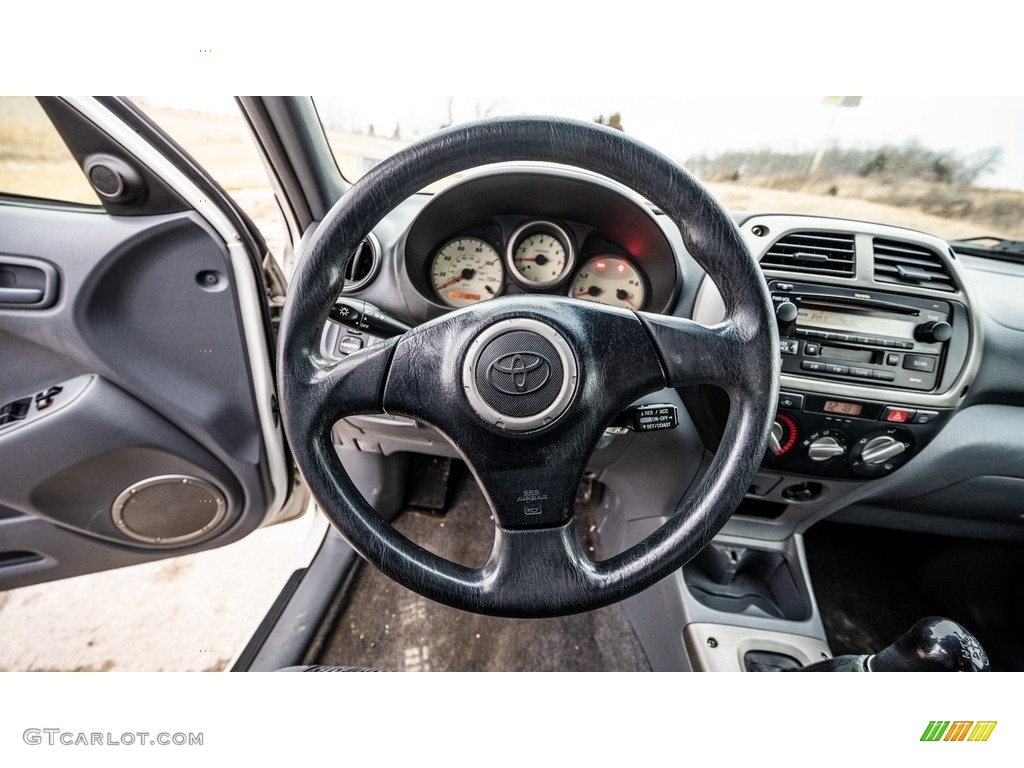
(609, 280)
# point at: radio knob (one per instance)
(934, 331)
(880, 449)
(825, 448)
(786, 312)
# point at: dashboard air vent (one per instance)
(364, 265)
(903, 263)
(820, 253)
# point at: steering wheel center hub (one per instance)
(519, 374)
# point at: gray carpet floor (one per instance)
(385, 626)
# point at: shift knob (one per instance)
(932, 645)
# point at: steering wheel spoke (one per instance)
(546, 561)
(527, 484)
(355, 384)
(698, 354)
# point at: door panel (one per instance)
(138, 370)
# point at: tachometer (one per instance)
(465, 271)
(609, 280)
(540, 254)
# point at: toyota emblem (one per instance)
(519, 373)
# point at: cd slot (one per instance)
(829, 302)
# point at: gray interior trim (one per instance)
(248, 291)
(721, 647)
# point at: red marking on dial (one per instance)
(790, 425)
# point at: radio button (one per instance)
(789, 346)
(863, 373)
(904, 345)
(807, 365)
(838, 370)
(924, 417)
(919, 363)
(844, 337)
(812, 349)
(804, 332)
(885, 375)
(791, 402)
(825, 335)
(892, 359)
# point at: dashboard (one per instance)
(887, 360)
(537, 231)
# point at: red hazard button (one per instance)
(897, 415)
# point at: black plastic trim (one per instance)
(291, 625)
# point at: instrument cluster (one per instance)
(538, 255)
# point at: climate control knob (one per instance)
(879, 450)
(782, 436)
(825, 448)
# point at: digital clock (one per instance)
(847, 409)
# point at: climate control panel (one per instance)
(847, 439)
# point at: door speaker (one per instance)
(169, 510)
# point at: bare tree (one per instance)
(614, 121)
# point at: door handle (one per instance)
(26, 283)
(20, 295)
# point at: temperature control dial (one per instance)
(825, 445)
(783, 435)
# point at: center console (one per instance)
(877, 347)
(883, 343)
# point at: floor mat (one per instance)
(873, 584)
(386, 626)
(865, 601)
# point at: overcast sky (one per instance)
(682, 126)
(687, 77)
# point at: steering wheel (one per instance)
(524, 387)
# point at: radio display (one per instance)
(847, 409)
(844, 321)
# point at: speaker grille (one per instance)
(169, 510)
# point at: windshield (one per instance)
(956, 171)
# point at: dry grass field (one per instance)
(33, 159)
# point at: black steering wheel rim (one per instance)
(535, 569)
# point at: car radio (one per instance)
(872, 338)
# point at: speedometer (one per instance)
(465, 271)
(609, 280)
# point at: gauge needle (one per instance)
(449, 282)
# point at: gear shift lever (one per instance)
(932, 645)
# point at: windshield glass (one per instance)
(955, 171)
